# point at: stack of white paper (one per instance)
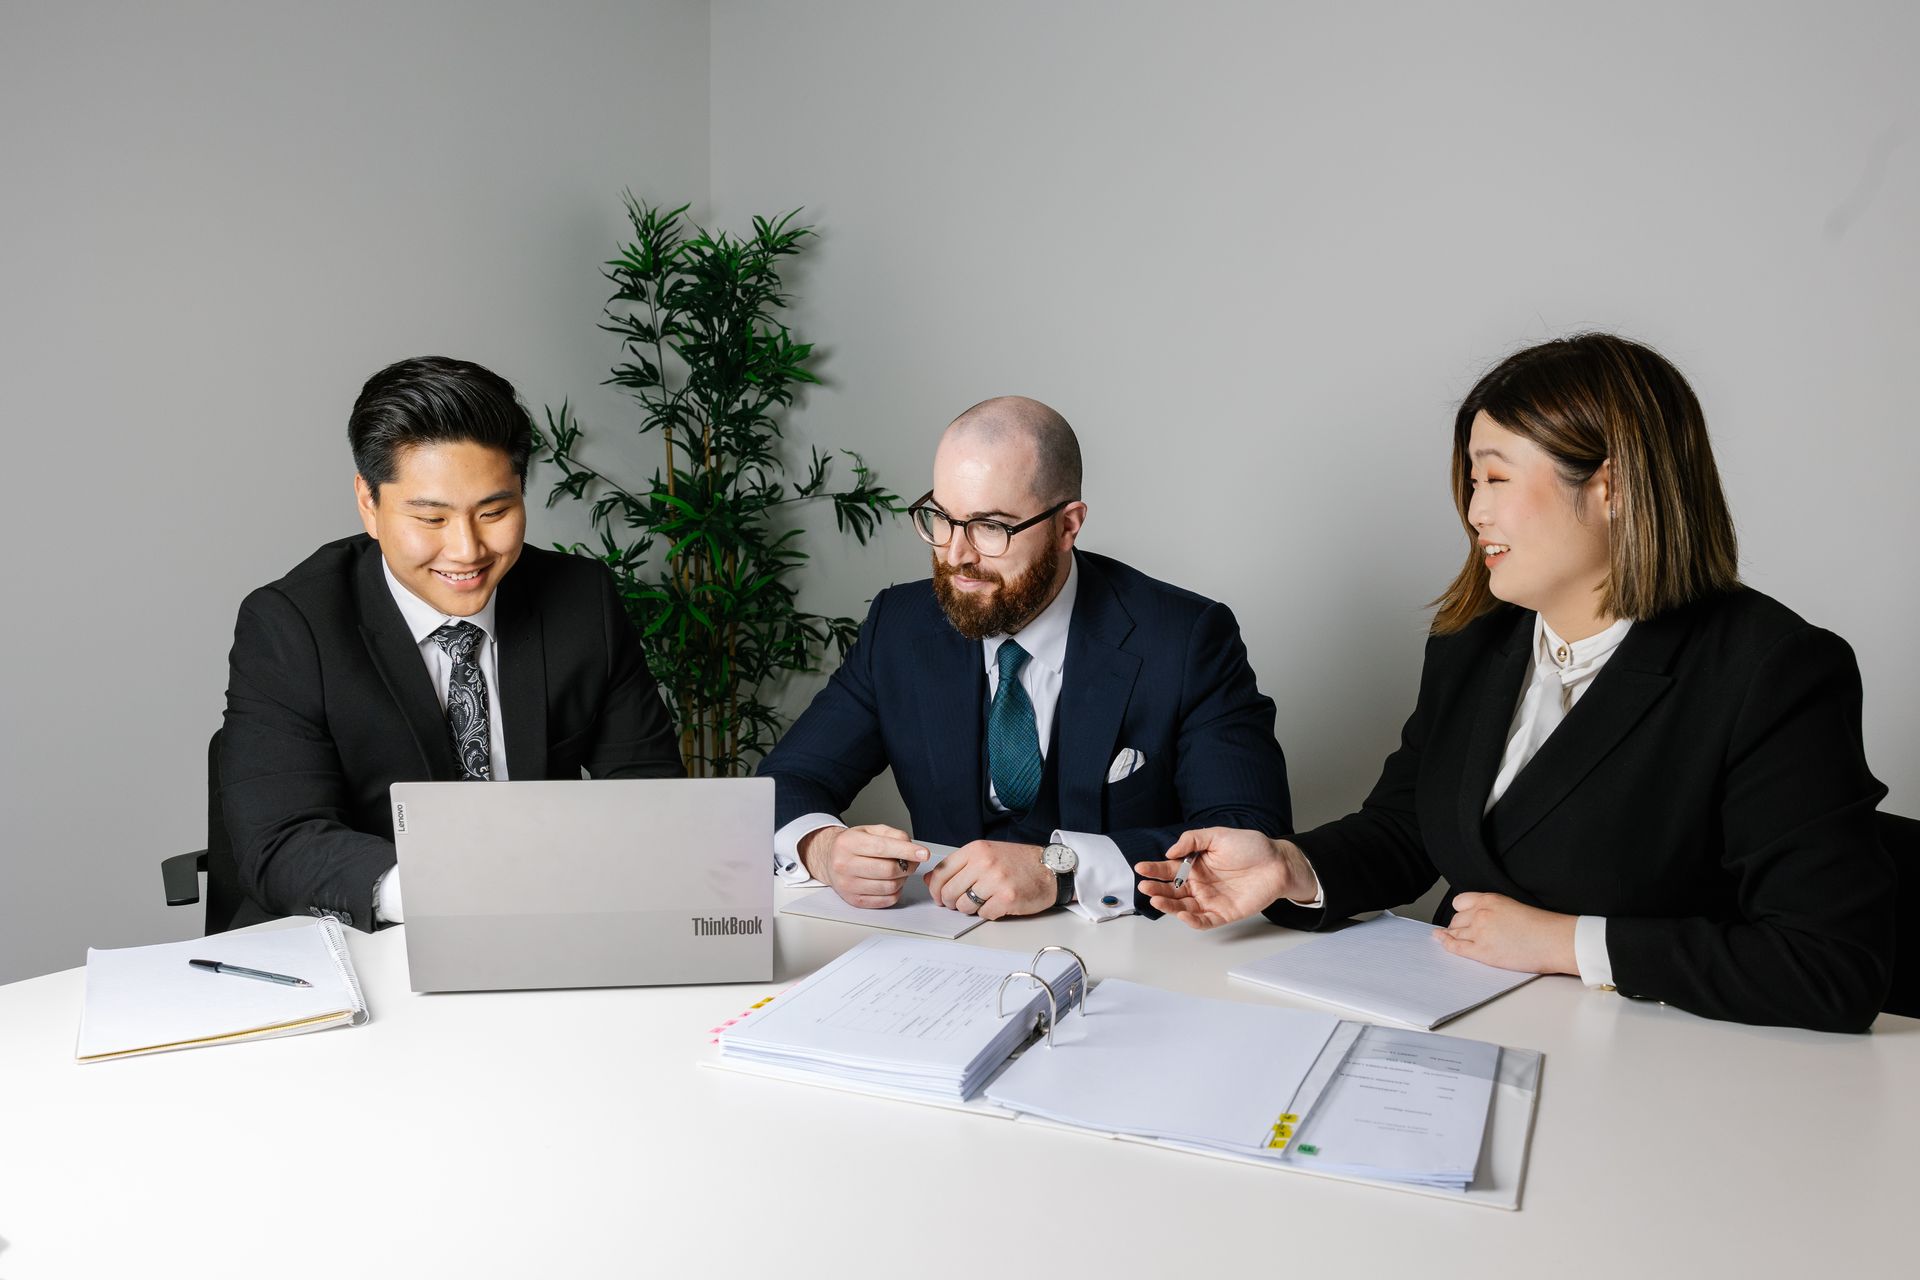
(150, 1000)
(904, 1015)
(1389, 967)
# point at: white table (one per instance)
(574, 1133)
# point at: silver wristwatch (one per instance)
(1063, 862)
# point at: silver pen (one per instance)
(1180, 876)
(237, 971)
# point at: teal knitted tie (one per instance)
(1013, 743)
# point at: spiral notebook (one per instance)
(150, 1000)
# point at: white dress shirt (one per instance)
(422, 621)
(1562, 673)
(1104, 871)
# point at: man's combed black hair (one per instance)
(435, 400)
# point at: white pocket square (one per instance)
(1127, 762)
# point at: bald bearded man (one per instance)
(1052, 712)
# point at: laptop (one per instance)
(615, 883)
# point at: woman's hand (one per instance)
(1494, 929)
(1233, 875)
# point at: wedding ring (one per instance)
(976, 899)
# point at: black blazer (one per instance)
(1148, 666)
(329, 704)
(1709, 795)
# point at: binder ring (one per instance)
(1082, 986)
(1053, 1009)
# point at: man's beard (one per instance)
(1006, 610)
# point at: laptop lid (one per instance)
(512, 885)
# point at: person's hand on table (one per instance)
(1233, 875)
(867, 866)
(1494, 929)
(1004, 879)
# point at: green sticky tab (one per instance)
(1307, 1149)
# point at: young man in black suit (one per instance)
(436, 646)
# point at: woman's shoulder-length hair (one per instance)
(1594, 398)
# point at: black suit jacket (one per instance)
(1148, 666)
(1709, 795)
(329, 704)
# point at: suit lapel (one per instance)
(397, 658)
(1095, 686)
(1634, 678)
(952, 698)
(1487, 740)
(523, 683)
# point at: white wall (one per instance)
(1257, 252)
(218, 221)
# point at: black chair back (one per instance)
(224, 898)
(1901, 836)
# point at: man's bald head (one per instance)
(1015, 422)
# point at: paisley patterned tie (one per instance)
(1013, 740)
(467, 702)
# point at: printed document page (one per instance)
(894, 1000)
(1389, 967)
(1139, 1060)
(1404, 1104)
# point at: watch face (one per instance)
(1060, 859)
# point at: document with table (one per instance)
(1290, 1089)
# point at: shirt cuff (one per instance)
(386, 898)
(786, 846)
(1590, 952)
(1319, 894)
(1103, 882)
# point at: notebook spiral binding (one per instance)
(343, 960)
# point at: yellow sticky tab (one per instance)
(1289, 1118)
(768, 1000)
(1278, 1142)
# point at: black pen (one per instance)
(239, 972)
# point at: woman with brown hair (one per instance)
(1626, 765)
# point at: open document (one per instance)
(1286, 1089)
(1150, 1062)
(1286, 1085)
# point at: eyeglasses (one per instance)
(989, 537)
